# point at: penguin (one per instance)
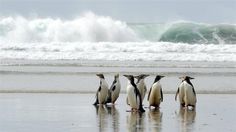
(141, 84)
(102, 92)
(114, 90)
(133, 95)
(155, 95)
(187, 94)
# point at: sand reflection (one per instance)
(107, 118)
(114, 120)
(155, 119)
(101, 117)
(135, 122)
(187, 119)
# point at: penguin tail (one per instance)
(141, 109)
(108, 100)
(96, 102)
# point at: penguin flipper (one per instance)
(140, 102)
(194, 91)
(96, 102)
(113, 88)
(127, 101)
(96, 96)
(176, 94)
(145, 89)
(138, 94)
(149, 93)
(161, 95)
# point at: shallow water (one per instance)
(49, 76)
(75, 112)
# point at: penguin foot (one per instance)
(141, 109)
(156, 107)
(132, 110)
(190, 107)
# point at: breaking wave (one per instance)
(92, 28)
(92, 37)
(89, 27)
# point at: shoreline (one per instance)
(37, 78)
(118, 63)
(94, 92)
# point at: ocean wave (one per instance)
(93, 28)
(143, 51)
(88, 27)
(93, 37)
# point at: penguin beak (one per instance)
(191, 78)
(182, 78)
(117, 75)
(162, 76)
(147, 75)
(126, 76)
(100, 75)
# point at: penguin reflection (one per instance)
(187, 119)
(135, 122)
(155, 119)
(114, 113)
(101, 117)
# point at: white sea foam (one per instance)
(88, 27)
(153, 51)
(93, 37)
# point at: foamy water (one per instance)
(93, 37)
(149, 51)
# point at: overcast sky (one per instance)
(206, 11)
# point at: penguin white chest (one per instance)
(182, 92)
(190, 97)
(142, 88)
(155, 94)
(132, 97)
(116, 92)
(102, 95)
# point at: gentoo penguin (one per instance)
(102, 91)
(114, 90)
(155, 95)
(141, 84)
(133, 95)
(187, 94)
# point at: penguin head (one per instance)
(130, 77)
(101, 76)
(142, 76)
(116, 76)
(185, 78)
(158, 77)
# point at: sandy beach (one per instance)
(75, 112)
(51, 51)
(34, 76)
(58, 96)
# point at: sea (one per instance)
(94, 37)
(39, 54)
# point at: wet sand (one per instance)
(27, 76)
(28, 112)
(57, 96)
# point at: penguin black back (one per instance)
(139, 77)
(136, 91)
(187, 79)
(158, 77)
(100, 75)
